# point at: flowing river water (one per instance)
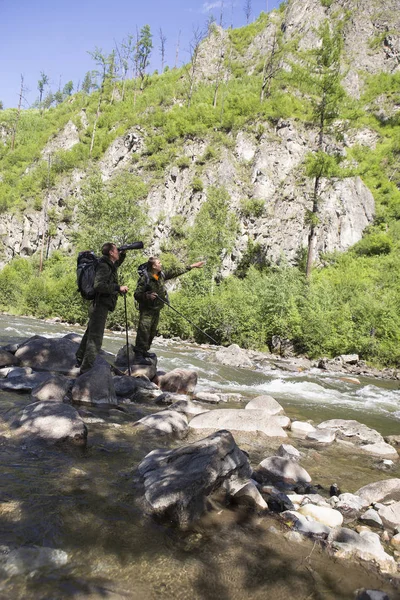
(86, 502)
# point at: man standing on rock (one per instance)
(107, 289)
(151, 295)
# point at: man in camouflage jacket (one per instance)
(151, 294)
(107, 289)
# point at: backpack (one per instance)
(85, 273)
(143, 272)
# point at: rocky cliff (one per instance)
(265, 166)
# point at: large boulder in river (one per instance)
(167, 421)
(24, 382)
(177, 482)
(48, 354)
(52, 422)
(178, 381)
(237, 419)
(276, 468)
(137, 389)
(267, 403)
(233, 356)
(53, 389)
(352, 431)
(95, 387)
(380, 491)
(137, 366)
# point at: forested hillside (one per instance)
(274, 155)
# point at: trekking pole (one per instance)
(126, 330)
(189, 321)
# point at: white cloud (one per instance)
(207, 6)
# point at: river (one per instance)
(85, 502)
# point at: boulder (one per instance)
(52, 422)
(371, 595)
(29, 560)
(54, 388)
(24, 383)
(138, 389)
(322, 436)
(236, 419)
(276, 468)
(390, 515)
(95, 387)
(301, 428)
(371, 518)
(380, 449)
(288, 451)
(177, 482)
(187, 407)
(323, 514)
(178, 381)
(233, 356)
(352, 431)
(170, 422)
(48, 354)
(304, 525)
(266, 403)
(379, 491)
(249, 496)
(7, 359)
(138, 366)
(207, 397)
(365, 545)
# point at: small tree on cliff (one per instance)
(143, 51)
(324, 82)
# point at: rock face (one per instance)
(177, 482)
(95, 386)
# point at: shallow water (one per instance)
(86, 502)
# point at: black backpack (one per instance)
(85, 273)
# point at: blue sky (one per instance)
(54, 36)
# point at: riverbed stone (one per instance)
(380, 449)
(390, 515)
(350, 505)
(233, 356)
(7, 359)
(207, 397)
(239, 420)
(288, 451)
(52, 422)
(48, 354)
(371, 518)
(379, 491)
(24, 383)
(395, 541)
(276, 468)
(53, 389)
(352, 431)
(371, 595)
(249, 496)
(323, 514)
(267, 403)
(178, 381)
(301, 428)
(187, 407)
(26, 560)
(365, 545)
(168, 421)
(177, 482)
(322, 436)
(305, 525)
(137, 389)
(18, 371)
(95, 387)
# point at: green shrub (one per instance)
(373, 245)
(197, 185)
(252, 207)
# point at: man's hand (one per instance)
(197, 265)
(123, 289)
(151, 295)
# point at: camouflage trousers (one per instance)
(147, 329)
(92, 340)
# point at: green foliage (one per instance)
(320, 164)
(111, 212)
(327, 3)
(252, 207)
(197, 185)
(373, 245)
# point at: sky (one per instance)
(55, 36)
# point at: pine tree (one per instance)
(324, 82)
(143, 51)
